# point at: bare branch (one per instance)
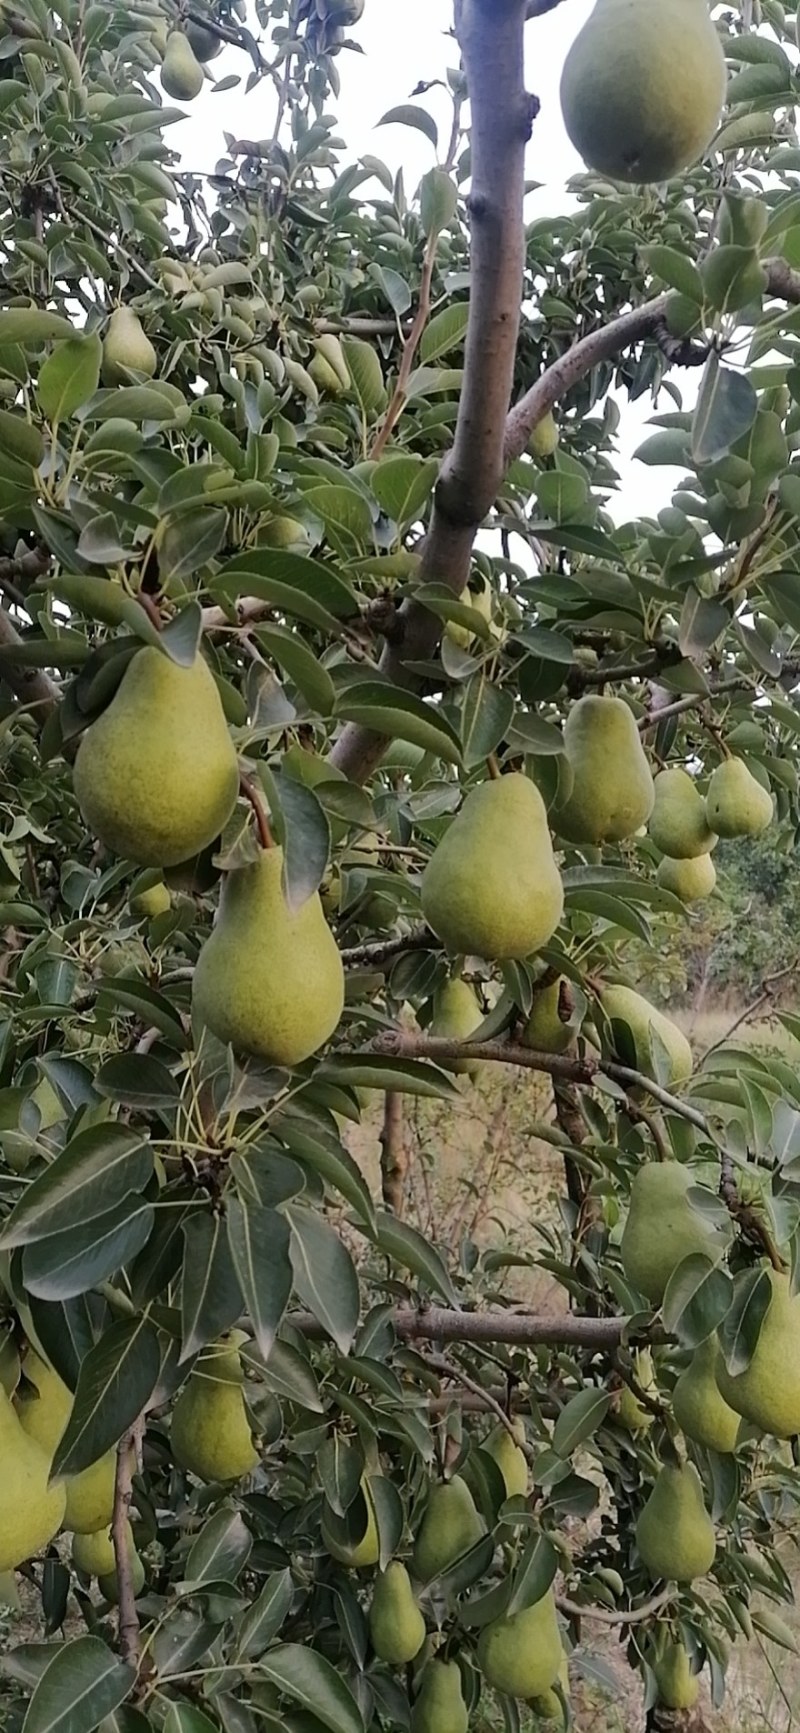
(525, 1329)
(377, 951)
(29, 685)
(447, 1369)
(394, 1152)
(128, 1618)
(605, 1616)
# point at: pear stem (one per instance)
(493, 767)
(151, 608)
(128, 1621)
(745, 1216)
(250, 793)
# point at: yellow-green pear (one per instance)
(269, 980)
(691, 880)
(396, 1625)
(202, 41)
(612, 787)
(492, 886)
(548, 1030)
(439, 1706)
(674, 1533)
(328, 367)
(210, 1431)
(767, 1393)
(698, 1405)
(510, 1458)
(360, 1554)
(449, 1527)
(31, 1507)
(283, 532)
(126, 348)
(678, 1686)
(522, 1654)
(94, 1555)
(456, 1016)
(633, 1022)
(736, 804)
(629, 1412)
(663, 1228)
(181, 72)
(643, 87)
(109, 1583)
(152, 901)
(678, 823)
(43, 1415)
(544, 436)
(156, 776)
(547, 1705)
(479, 596)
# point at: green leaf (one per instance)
(70, 1263)
(402, 486)
(116, 1380)
(698, 1297)
(29, 326)
(259, 1244)
(733, 277)
(300, 1673)
(407, 114)
(398, 714)
(324, 1276)
(313, 682)
(579, 1420)
(305, 835)
(444, 332)
(487, 713)
(221, 1550)
(725, 409)
(69, 377)
(289, 1375)
(303, 588)
(264, 1617)
(404, 1245)
(438, 201)
(20, 438)
(97, 1169)
(83, 1682)
(187, 1718)
(702, 622)
(211, 1298)
(327, 1156)
(366, 377)
(774, 1628)
(741, 1328)
(674, 269)
(144, 1002)
(100, 599)
(534, 1574)
(407, 1076)
(189, 542)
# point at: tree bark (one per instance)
(394, 1152)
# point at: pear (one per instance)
(522, 1654)
(544, 436)
(44, 1416)
(269, 980)
(629, 1412)
(674, 1533)
(632, 1040)
(662, 1228)
(479, 596)
(156, 776)
(450, 1526)
(691, 880)
(93, 1554)
(767, 1393)
(152, 901)
(698, 1406)
(108, 1584)
(360, 1554)
(547, 1030)
(547, 1705)
(181, 72)
(678, 1686)
(492, 886)
(126, 349)
(440, 1706)
(328, 367)
(31, 1508)
(396, 1625)
(612, 789)
(210, 1431)
(284, 532)
(203, 42)
(678, 823)
(642, 89)
(510, 1458)
(456, 1016)
(736, 804)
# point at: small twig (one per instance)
(745, 1215)
(250, 793)
(29, 685)
(410, 347)
(447, 1369)
(634, 1616)
(636, 1112)
(128, 1618)
(377, 951)
(765, 997)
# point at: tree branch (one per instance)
(525, 1329)
(377, 951)
(29, 685)
(394, 1153)
(128, 1618)
(446, 1369)
(633, 1616)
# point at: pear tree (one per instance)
(355, 751)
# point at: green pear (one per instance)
(691, 880)
(439, 1706)
(210, 1431)
(629, 1412)
(547, 1030)
(93, 1554)
(396, 1625)
(43, 1415)
(456, 1016)
(547, 1705)
(674, 1533)
(492, 887)
(126, 349)
(108, 1584)
(663, 1228)
(678, 1686)
(479, 596)
(633, 1022)
(678, 823)
(522, 1654)
(698, 1406)
(31, 1507)
(360, 1554)
(269, 979)
(328, 367)
(449, 1527)
(284, 532)
(203, 42)
(156, 776)
(767, 1393)
(510, 1458)
(612, 789)
(736, 804)
(152, 901)
(181, 72)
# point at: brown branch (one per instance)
(604, 1616)
(525, 1329)
(128, 1618)
(29, 685)
(446, 1369)
(251, 794)
(394, 1152)
(377, 951)
(410, 347)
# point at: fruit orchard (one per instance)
(313, 795)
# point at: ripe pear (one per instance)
(449, 1527)
(547, 1705)
(456, 1016)
(31, 1508)
(768, 1391)
(156, 776)
(360, 1554)
(396, 1625)
(678, 823)
(663, 1228)
(642, 88)
(546, 1030)
(674, 1533)
(126, 349)
(522, 1654)
(269, 980)
(691, 880)
(698, 1406)
(480, 597)
(678, 1686)
(181, 72)
(736, 804)
(440, 1706)
(210, 1431)
(44, 1416)
(509, 1457)
(638, 1019)
(94, 1555)
(544, 436)
(328, 367)
(612, 789)
(492, 886)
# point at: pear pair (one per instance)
(492, 888)
(43, 1415)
